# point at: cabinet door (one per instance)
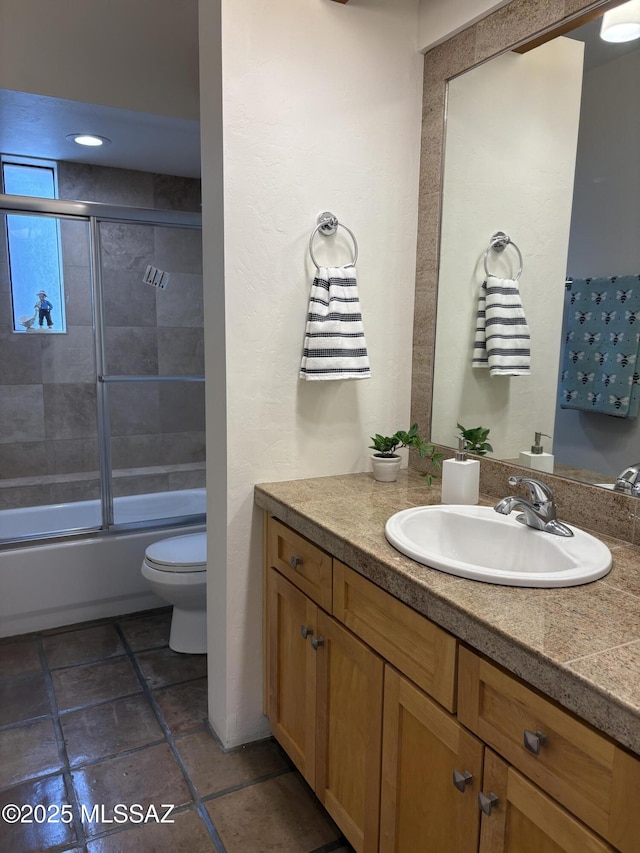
(525, 820)
(291, 671)
(422, 810)
(349, 717)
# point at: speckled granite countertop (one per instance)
(579, 645)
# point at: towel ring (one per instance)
(327, 225)
(499, 242)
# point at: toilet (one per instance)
(176, 570)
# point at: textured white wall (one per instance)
(440, 19)
(512, 130)
(138, 55)
(322, 110)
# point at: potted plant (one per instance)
(386, 462)
(475, 440)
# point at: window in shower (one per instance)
(34, 250)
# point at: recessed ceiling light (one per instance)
(88, 139)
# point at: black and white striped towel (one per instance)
(334, 344)
(503, 339)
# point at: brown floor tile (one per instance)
(277, 816)
(164, 666)
(183, 706)
(89, 644)
(147, 632)
(108, 729)
(94, 682)
(39, 835)
(18, 658)
(211, 770)
(187, 834)
(27, 752)
(22, 698)
(150, 776)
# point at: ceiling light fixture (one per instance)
(88, 139)
(622, 23)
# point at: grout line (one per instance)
(62, 748)
(242, 785)
(213, 832)
(215, 838)
(332, 845)
(603, 651)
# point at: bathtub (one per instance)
(49, 584)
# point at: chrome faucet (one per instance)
(628, 481)
(539, 512)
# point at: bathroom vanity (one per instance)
(430, 712)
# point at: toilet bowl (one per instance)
(176, 569)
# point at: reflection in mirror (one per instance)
(543, 146)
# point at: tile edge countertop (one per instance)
(579, 645)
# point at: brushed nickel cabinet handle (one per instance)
(461, 780)
(487, 801)
(306, 631)
(317, 641)
(294, 562)
(534, 740)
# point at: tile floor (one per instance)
(100, 722)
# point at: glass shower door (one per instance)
(153, 372)
(49, 456)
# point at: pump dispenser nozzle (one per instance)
(461, 453)
(537, 448)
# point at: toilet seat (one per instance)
(178, 554)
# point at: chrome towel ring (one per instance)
(499, 242)
(327, 225)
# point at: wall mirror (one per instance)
(542, 145)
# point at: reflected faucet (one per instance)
(628, 481)
(538, 513)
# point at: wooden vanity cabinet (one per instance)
(580, 771)
(415, 743)
(324, 692)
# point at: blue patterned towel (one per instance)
(600, 363)
(334, 343)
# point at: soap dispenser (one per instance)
(460, 478)
(537, 458)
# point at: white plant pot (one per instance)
(385, 468)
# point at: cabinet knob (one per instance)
(461, 780)
(534, 740)
(306, 631)
(317, 641)
(487, 801)
(294, 562)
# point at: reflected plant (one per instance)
(475, 440)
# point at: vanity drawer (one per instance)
(302, 562)
(410, 642)
(580, 768)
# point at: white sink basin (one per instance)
(478, 543)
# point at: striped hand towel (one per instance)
(334, 343)
(503, 340)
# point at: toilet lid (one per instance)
(179, 553)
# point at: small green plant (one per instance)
(475, 440)
(386, 445)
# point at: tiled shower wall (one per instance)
(48, 423)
